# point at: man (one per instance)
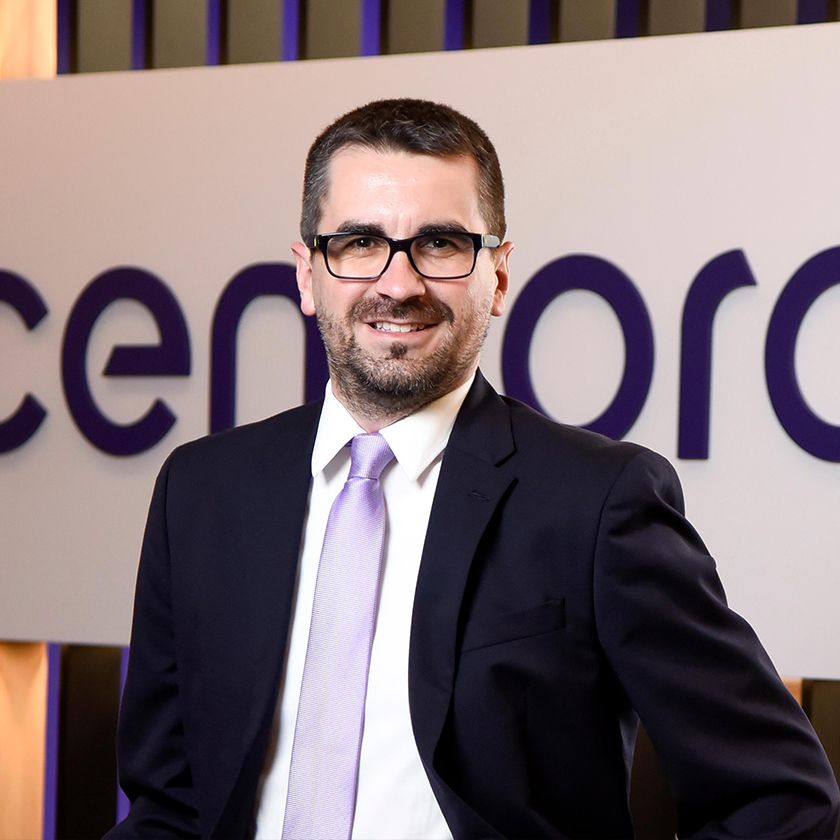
(457, 641)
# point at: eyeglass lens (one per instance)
(435, 255)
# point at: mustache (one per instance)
(379, 309)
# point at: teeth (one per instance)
(387, 326)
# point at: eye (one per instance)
(444, 244)
(354, 244)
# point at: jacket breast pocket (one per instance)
(513, 626)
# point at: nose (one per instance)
(400, 281)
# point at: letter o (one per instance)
(593, 274)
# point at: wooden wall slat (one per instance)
(414, 27)
(254, 30)
(103, 35)
(23, 713)
(666, 17)
(87, 758)
(756, 13)
(179, 33)
(587, 20)
(500, 23)
(332, 29)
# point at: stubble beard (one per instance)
(386, 389)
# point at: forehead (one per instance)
(398, 189)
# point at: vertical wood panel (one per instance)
(27, 39)
(587, 20)
(103, 35)
(254, 30)
(666, 16)
(500, 23)
(332, 29)
(23, 712)
(87, 764)
(821, 701)
(414, 27)
(754, 13)
(179, 33)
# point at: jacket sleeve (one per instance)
(153, 767)
(739, 753)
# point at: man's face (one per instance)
(374, 362)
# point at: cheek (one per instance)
(336, 301)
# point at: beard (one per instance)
(394, 386)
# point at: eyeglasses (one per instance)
(436, 255)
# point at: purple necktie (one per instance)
(328, 733)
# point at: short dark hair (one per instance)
(406, 125)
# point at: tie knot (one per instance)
(369, 455)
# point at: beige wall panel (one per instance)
(23, 715)
(414, 27)
(587, 20)
(179, 33)
(27, 39)
(254, 30)
(499, 23)
(332, 29)
(767, 13)
(666, 17)
(104, 35)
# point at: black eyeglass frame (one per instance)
(479, 240)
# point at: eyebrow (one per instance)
(376, 229)
(355, 226)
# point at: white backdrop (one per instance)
(656, 154)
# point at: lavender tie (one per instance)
(328, 733)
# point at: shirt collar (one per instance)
(415, 440)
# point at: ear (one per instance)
(502, 270)
(303, 266)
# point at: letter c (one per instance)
(25, 300)
(806, 429)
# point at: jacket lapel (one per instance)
(473, 479)
(263, 594)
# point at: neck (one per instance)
(370, 415)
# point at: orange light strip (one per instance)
(23, 706)
(27, 39)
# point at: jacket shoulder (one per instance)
(540, 436)
(279, 437)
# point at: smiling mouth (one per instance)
(388, 326)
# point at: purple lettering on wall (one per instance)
(251, 283)
(714, 282)
(171, 357)
(589, 273)
(805, 428)
(22, 296)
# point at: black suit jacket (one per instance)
(561, 592)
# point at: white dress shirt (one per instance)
(394, 798)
